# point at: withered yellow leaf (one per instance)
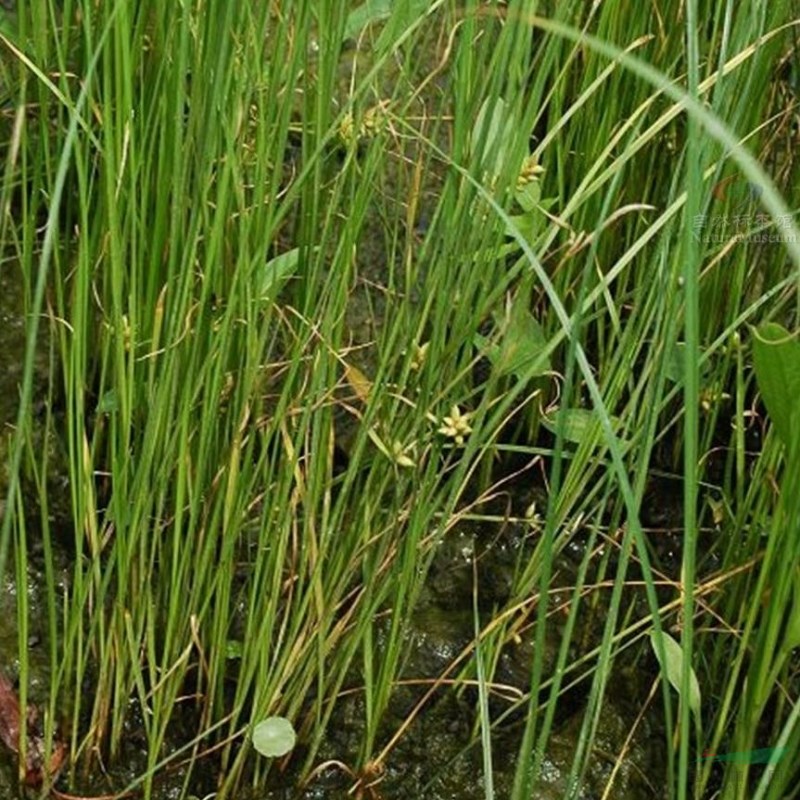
(358, 381)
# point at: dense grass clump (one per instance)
(322, 281)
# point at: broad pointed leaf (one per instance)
(672, 667)
(776, 357)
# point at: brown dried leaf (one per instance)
(10, 717)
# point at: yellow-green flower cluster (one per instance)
(419, 355)
(456, 426)
(372, 123)
(529, 172)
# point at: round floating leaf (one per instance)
(274, 737)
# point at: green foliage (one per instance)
(579, 425)
(776, 358)
(402, 14)
(671, 657)
(368, 12)
(534, 172)
(276, 272)
(522, 350)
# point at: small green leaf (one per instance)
(233, 649)
(365, 14)
(522, 350)
(400, 16)
(579, 423)
(674, 363)
(529, 195)
(108, 403)
(673, 667)
(276, 272)
(530, 225)
(274, 737)
(792, 638)
(524, 344)
(776, 358)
